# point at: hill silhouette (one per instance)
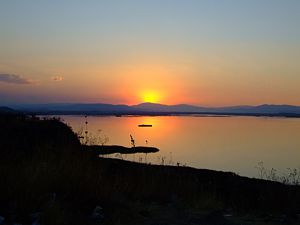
(6, 110)
(158, 109)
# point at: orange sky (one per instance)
(172, 52)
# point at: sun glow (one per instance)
(151, 96)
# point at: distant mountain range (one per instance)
(4, 109)
(261, 109)
(153, 108)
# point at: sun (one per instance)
(150, 96)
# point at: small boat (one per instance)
(145, 125)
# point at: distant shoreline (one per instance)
(203, 114)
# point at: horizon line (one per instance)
(154, 103)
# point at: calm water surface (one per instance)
(221, 143)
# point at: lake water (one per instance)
(234, 144)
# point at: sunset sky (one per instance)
(201, 52)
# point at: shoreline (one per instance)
(45, 170)
(267, 115)
(111, 149)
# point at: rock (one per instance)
(97, 213)
(35, 218)
(35, 223)
(2, 219)
(216, 218)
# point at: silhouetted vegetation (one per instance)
(292, 176)
(47, 177)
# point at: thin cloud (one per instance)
(14, 79)
(57, 78)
